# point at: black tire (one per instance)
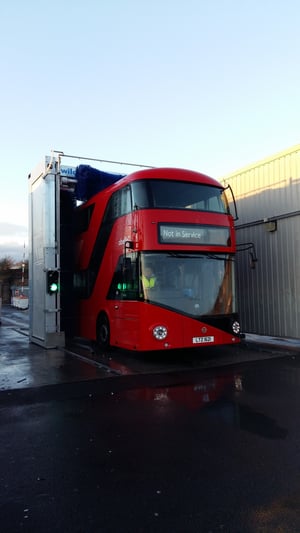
(103, 331)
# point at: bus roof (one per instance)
(90, 180)
(173, 173)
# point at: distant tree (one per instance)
(6, 263)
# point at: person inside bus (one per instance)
(148, 277)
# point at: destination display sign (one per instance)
(194, 234)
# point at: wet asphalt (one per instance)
(118, 442)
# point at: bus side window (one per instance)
(141, 195)
(83, 217)
(124, 285)
(126, 204)
(81, 284)
(118, 205)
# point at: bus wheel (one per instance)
(103, 333)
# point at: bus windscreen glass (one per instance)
(165, 194)
(196, 284)
(193, 284)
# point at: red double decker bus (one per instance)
(155, 263)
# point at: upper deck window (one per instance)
(83, 217)
(118, 205)
(165, 194)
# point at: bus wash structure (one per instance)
(145, 262)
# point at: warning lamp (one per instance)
(52, 281)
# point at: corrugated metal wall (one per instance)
(268, 201)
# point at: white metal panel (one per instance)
(269, 295)
(268, 202)
(44, 254)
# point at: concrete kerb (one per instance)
(273, 344)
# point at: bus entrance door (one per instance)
(125, 326)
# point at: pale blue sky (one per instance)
(209, 85)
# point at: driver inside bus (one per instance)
(148, 277)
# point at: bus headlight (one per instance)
(160, 332)
(236, 328)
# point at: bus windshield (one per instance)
(190, 283)
(163, 194)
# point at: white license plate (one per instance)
(200, 340)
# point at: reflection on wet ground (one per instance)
(219, 395)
